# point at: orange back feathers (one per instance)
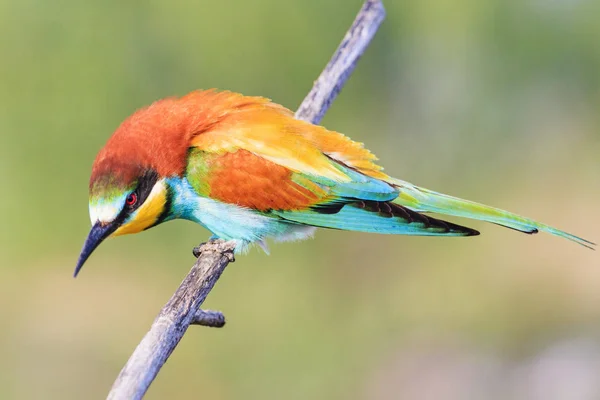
(159, 136)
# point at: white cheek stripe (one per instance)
(104, 211)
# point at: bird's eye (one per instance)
(131, 199)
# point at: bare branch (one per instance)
(183, 308)
(172, 321)
(342, 63)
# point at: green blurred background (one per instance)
(497, 101)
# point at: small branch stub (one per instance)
(213, 319)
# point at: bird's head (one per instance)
(124, 198)
(128, 191)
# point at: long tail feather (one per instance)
(425, 200)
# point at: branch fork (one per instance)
(212, 319)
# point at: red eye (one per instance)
(131, 199)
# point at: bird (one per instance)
(247, 170)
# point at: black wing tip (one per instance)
(428, 221)
(530, 231)
(462, 229)
(473, 232)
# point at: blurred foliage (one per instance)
(494, 100)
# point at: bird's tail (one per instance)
(425, 200)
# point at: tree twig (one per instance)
(183, 308)
(329, 84)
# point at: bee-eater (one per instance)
(247, 170)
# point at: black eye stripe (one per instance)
(145, 185)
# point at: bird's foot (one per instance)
(215, 244)
(196, 251)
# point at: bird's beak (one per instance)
(98, 233)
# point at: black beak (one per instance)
(96, 236)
